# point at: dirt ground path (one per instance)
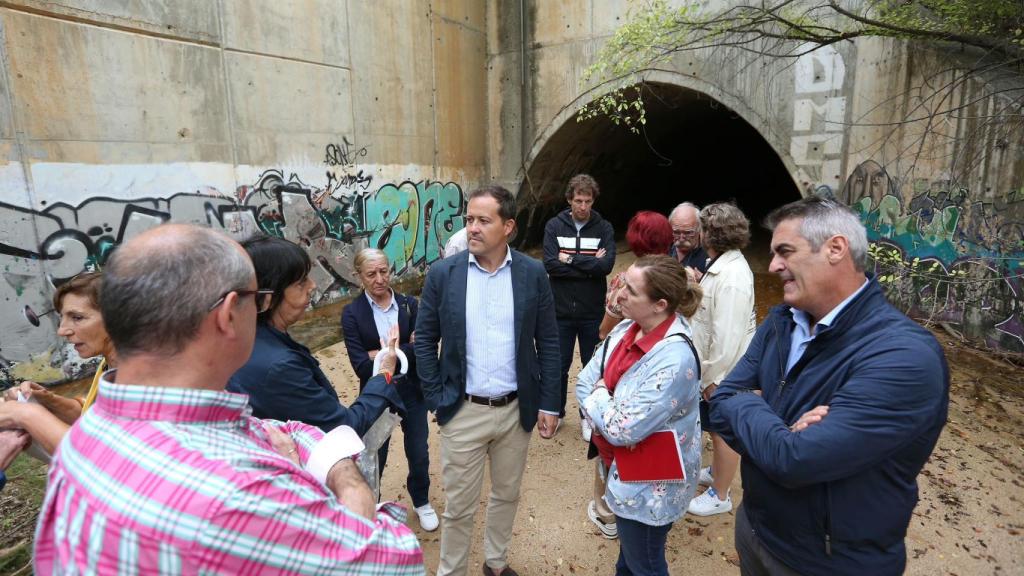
(969, 521)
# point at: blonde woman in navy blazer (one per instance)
(365, 321)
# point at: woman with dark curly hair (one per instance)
(722, 329)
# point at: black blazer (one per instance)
(284, 382)
(442, 316)
(361, 336)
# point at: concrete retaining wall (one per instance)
(945, 189)
(345, 123)
(335, 124)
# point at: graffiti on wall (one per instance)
(40, 249)
(972, 250)
(819, 116)
(344, 154)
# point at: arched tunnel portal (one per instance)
(692, 147)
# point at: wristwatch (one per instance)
(568, 259)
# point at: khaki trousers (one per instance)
(604, 513)
(478, 433)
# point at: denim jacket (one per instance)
(659, 392)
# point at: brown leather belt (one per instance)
(492, 402)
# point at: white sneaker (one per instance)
(706, 479)
(428, 518)
(708, 504)
(586, 430)
(608, 530)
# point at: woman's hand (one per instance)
(709, 391)
(13, 414)
(28, 390)
(283, 444)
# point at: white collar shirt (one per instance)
(384, 318)
(490, 330)
(803, 332)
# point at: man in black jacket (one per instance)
(579, 252)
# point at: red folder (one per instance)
(656, 458)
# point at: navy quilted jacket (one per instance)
(836, 498)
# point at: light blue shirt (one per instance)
(804, 333)
(490, 330)
(384, 318)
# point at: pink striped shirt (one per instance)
(184, 481)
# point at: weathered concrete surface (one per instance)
(319, 121)
(78, 95)
(267, 132)
(394, 97)
(462, 121)
(945, 188)
(195, 20)
(468, 13)
(308, 30)
(459, 29)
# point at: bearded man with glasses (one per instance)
(686, 240)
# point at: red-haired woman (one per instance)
(647, 233)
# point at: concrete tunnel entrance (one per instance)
(692, 148)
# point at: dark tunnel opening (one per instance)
(692, 148)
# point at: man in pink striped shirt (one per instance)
(168, 473)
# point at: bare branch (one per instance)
(972, 40)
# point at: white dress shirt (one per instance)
(384, 318)
(490, 330)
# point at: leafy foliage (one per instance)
(914, 284)
(780, 29)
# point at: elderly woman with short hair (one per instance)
(282, 378)
(365, 321)
(722, 329)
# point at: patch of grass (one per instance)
(17, 559)
(19, 507)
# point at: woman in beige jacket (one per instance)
(722, 329)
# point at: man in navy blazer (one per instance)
(362, 336)
(497, 375)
